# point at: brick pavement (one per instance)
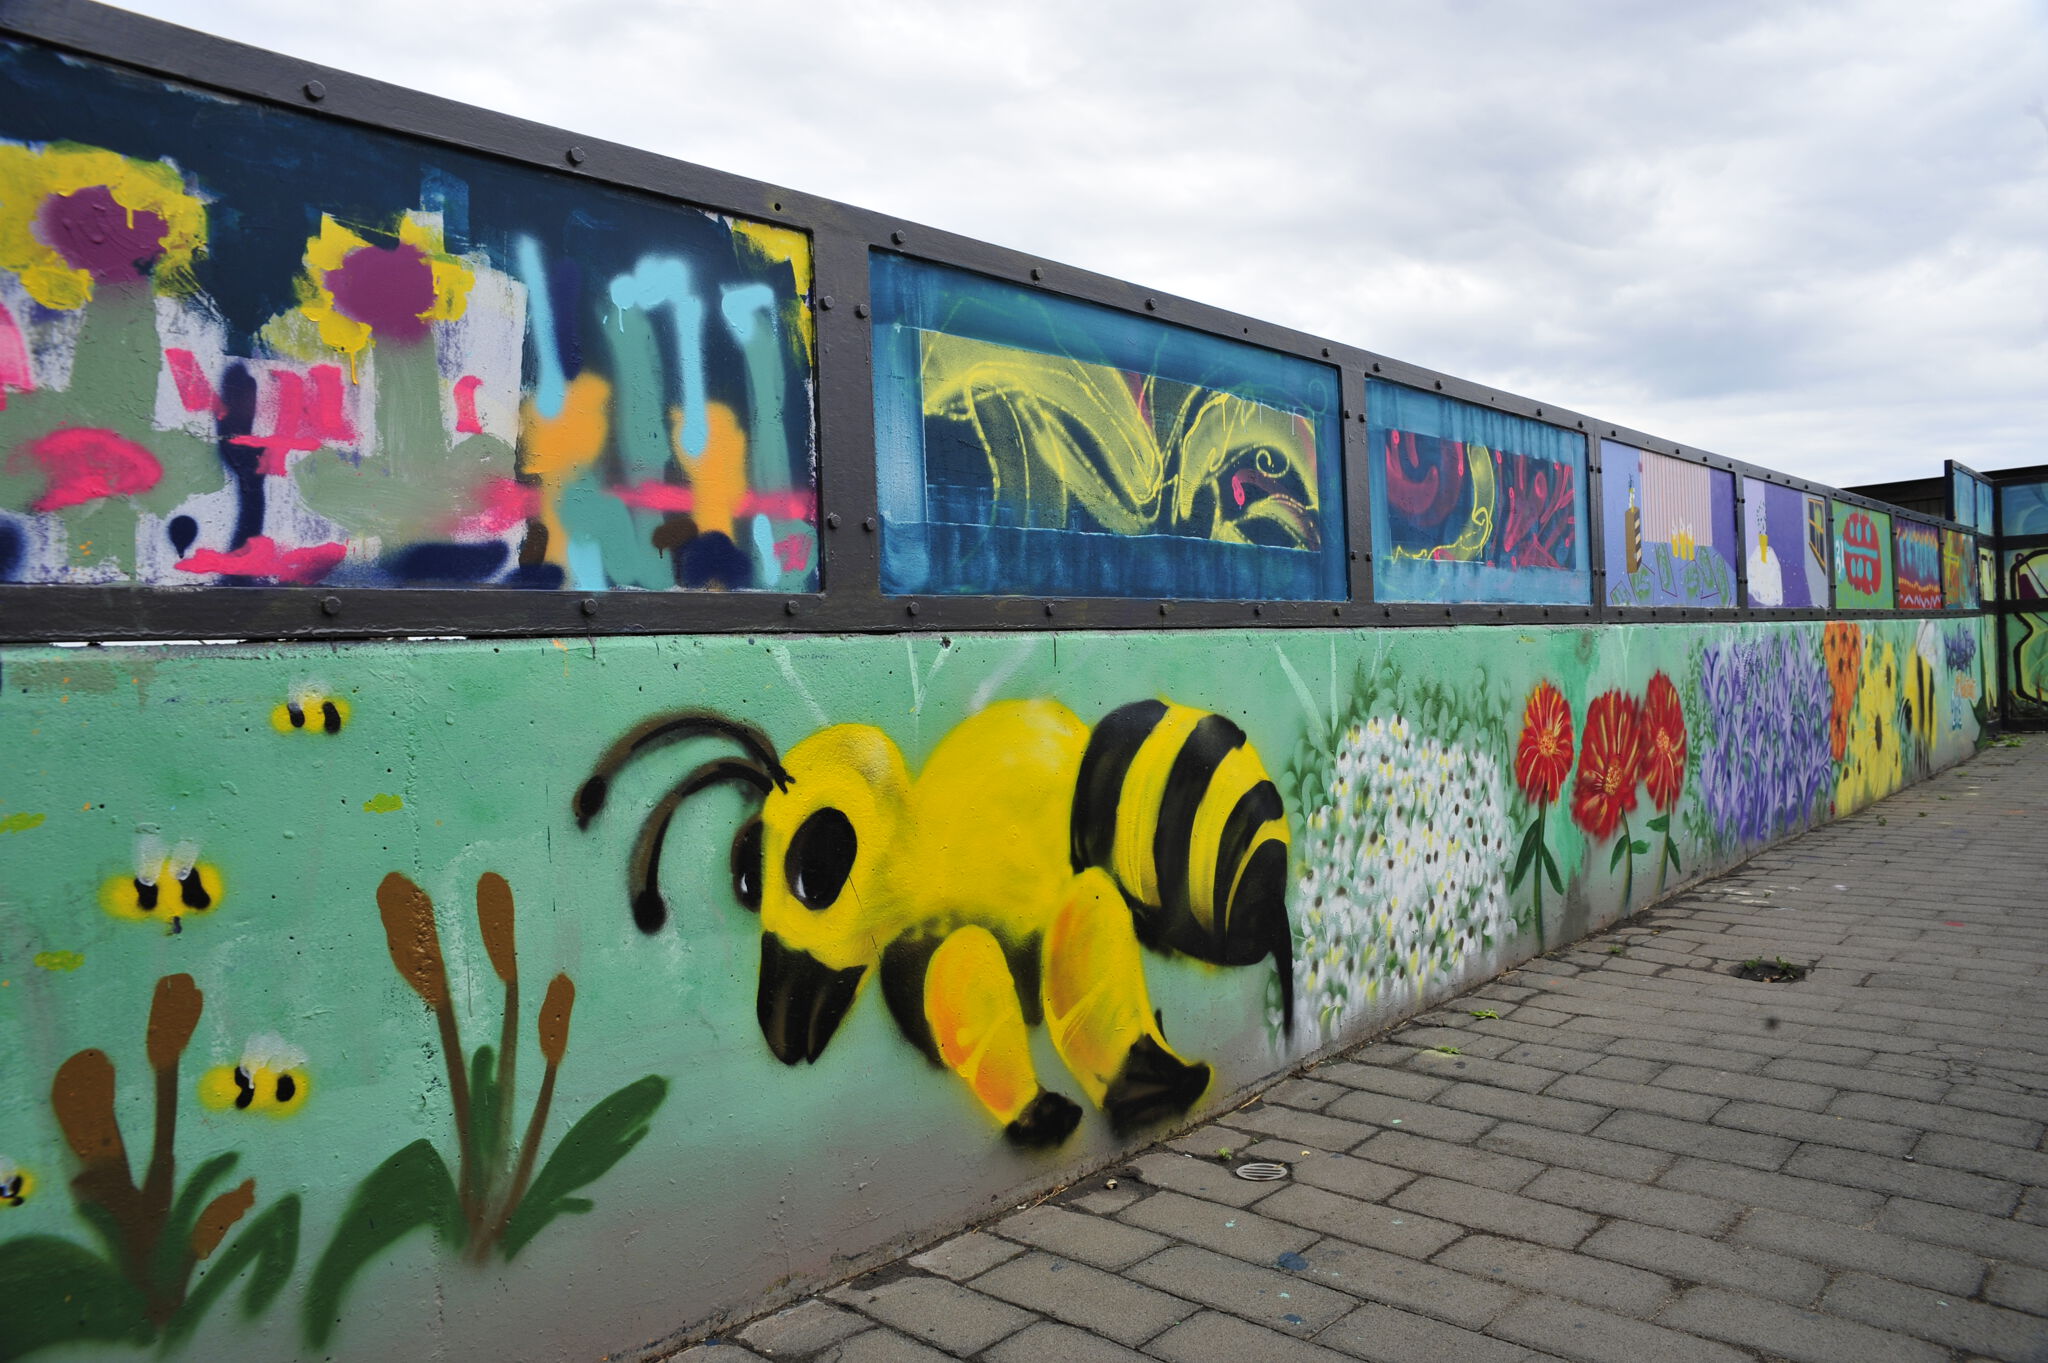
(1641, 1158)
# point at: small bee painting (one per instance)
(17, 1184)
(310, 708)
(169, 884)
(270, 1079)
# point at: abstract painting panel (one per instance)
(1785, 543)
(1863, 558)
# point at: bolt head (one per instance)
(576, 156)
(860, 309)
(330, 605)
(315, 90)
(825, 303)
(589, 606)
(868, 525)
(912, 608)
(832, 520)
(897, 238)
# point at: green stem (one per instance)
(529, 1149)
(1628, 866)
(458, 1095)
(1665, 860)
(1542, 933)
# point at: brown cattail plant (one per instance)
(495, 1201)
(154, 1242)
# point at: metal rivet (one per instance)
(1347, 414)
(898, 238)
(825, 303)
(1439, 385)
(1387, 611)
(1326, 352)
(315, 90)
(1162, 608)
(832, 520)
(576, 155)
(1336, 610)
(789, 608)
(1354, 556)
(330, 605)
(1037, 273)
(1375, 366)
(1048, 608)
(1361, 418)
(868, 525)
(1258, 609)
(589, 606)
(860, 309)
(912, 608)
(1151, 305)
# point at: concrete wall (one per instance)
(264, 907)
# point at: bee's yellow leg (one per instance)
(970, 1003)
(1093, 987)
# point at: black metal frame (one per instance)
(843, 238)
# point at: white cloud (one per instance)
(1811, 236)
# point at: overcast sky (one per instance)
(1810, 236)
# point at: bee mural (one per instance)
(1011, 882)
(169, 883)
(17, 1184)
(308, 708)
(270, 1079)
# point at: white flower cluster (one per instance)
(1403, 875)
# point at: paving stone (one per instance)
(1267, 1296)
(1383, 1334)
(966, 1256)
(1465, 1204)
(801, 1329)
(717, 1351)
(1989, 1158)
(2023, 1289)
(1229, 1230)
(1406, 1114)
(1752, 1087)
(1791, 1332)
(1380, 1079)
(1625, 1069)
(1907, 1179)
(1696, 1259)
(1611, 1287)
(1375, 1275)
(1310, 1128)
(1079, 1295)
(1198, 1178)
(1514, 1105)
(1109, 1201)
(1404, 1151)
(1311, 1094)
(1545, 1055)
(1091, 1239)
(1936, 1316)
(1205, 1141)
(1831, 1242)
(1693, 1138)
(1213, 1337)
(1472, 1044)
(1603, 1196)
(1576, 1331)
(1363, 1223)
(1861, 1080)
(1049, 1340)
(1813, 1197)
(1942, 1116)
(881, 1346)
(1637, 1094)
(1527, 1078)
(1350, 1176)
(1819, 1128)
(1577, 1152)
(1684, 1053)
(955, 1318)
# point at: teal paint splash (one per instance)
(749, 311)
(666, 279)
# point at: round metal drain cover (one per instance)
(1261, 1171)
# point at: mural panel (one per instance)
(1470, 504)
(1669, 529)
(241, 345)
(1785, 538)
(398, 1052)
(2023, 508)
(1917, 546)
(1958, 570)
(1863, 558)
(1970, 500)
(1033, 445)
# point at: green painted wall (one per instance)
(1411, 765)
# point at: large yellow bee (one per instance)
(1012, 881)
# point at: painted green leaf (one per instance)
(410, 1190)
(1530, 842)
(1550, 866)
(59, 1293)
(1660, 824)
(597, 1142)
(1620, 850)
(1639, 847)
(269, 1247)
(174, 1246)
(484, 1128)
(1671, 850)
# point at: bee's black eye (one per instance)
(286, 1088)
(821, 858)
(746, 865)
(245, 1087)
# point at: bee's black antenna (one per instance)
(673, 728)
(643, 873)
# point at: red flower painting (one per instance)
(1663, 741)
(1609, 765)
(1544, 758)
